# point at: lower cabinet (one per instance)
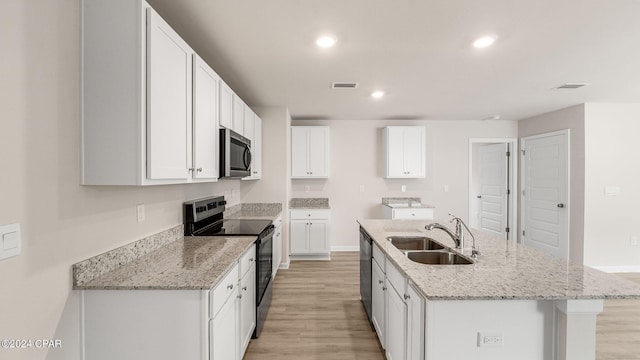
(277, 246)
(309, 233)
(398, 313)
(214, 324)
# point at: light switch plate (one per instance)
(10, 241)
(612, 190)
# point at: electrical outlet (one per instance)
(307, 188)
(634, 240)
(140, 212)
(403, 188)
(490, 339)
(361, 188)
(445, 188)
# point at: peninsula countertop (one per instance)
(505, 270)
(190, 263)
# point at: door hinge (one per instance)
(523, 153)
(506, 229)
(522, 192)
(508, 153)
(508, 192)
(523, 233)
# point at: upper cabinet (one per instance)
(206, 85)
(238, 115)
(253, 131)
(309, 152)
(404, 151)
(226, 106)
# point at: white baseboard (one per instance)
(339, 248)
(284, 265)
(310, 257)
(619, 269)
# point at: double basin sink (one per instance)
(424, 250)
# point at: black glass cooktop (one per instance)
(235, 227)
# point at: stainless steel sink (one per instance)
(411, 243)
(438, 258)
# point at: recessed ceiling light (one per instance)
(326, 41)
(377, 94)
(484, 42)
(493, 117)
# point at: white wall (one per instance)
(62, 222)
(357, 159)
(571, 118)
(612, 159)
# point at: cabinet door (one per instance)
(256, 148)
(298, 237)
(413, 150)
(395, 152)
(247, 308)
(168, 101)
(318, 148)
(415, 324)
(318, 236)
(299, 151)
(224, 332)
(248, 124)
(378, 301)
(205, 120)
(238, 114)
(226, 105)
(396, 325)
(277, 250)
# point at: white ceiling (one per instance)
(419, 52)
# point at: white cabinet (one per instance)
(408, 213)
(277, 246)
(206, 84)
(405, 151)
(309, 151)
(309, 233)
(378, 301)
(226, 106)
(253, 131)
(138, 99)
(415, 324)
(224, 332)
(238, 115)
(247, 296)
(396, 325)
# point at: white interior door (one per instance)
(493, 188)
(546, 193)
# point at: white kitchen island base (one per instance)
(511, 329)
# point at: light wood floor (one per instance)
(316, 314)
(618, 329)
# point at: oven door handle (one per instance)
(267, 232)
(246, 157)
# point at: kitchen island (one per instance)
(512, 302)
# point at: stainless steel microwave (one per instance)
(235, 154)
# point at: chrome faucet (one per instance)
(458, 236)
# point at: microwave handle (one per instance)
(246, 157)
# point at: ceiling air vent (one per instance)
(571, 86)
(344, 85)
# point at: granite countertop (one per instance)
(309, 203)
(254, 211)
(405, 203)
(504, 270)
(190, 263)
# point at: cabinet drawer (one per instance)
(417, 213)
(379, 257)
(310, 214)
(225, 288)
(396, 278)
(247, 260)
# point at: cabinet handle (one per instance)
(190, 169)
(380, 281)
(199, 169)
(384, 288)
(407, 297)
(230, 286)
(250, 259)
(239, 296)
(244, 288)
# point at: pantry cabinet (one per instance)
(138, 99)
(404, 151)
(309, 152)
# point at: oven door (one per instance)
(265, 262)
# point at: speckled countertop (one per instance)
(405, 203)
(504, 270)
(309, 203)
(255, 211)
(190, 263)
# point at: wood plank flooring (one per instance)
(618, 328)
(316, 314)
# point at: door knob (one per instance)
(560, 205)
